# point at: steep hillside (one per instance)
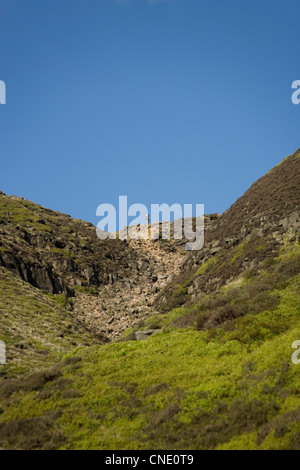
(246, 235)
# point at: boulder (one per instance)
(145, 334)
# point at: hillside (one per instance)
(218, 374)
(251, 231)
(37, 327)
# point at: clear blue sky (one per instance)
(169, 101)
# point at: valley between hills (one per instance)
(138, 344)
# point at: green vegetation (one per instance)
(22, 213)
(231, 385)
(36, 327)
(87, 290)
(205, 266)
(177, 390)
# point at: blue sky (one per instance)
(184, 101)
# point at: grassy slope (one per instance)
(224, 387)
(36, 327)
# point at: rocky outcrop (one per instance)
(58, 254)
(126, 302)
(145, 334)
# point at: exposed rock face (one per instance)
(125, 302)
